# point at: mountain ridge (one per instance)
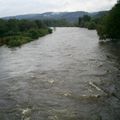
(69, 16)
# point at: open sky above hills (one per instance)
(16, 7)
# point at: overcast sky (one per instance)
(17, 7)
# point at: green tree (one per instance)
(25, 25)
(86, 18)
(80, 20)
(3, 27)
(109, 27)
(40, 24)
(113, 23)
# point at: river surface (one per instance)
(67, 75)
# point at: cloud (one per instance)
(15, 7)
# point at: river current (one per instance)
(67, 75)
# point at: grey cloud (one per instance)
(15, 7)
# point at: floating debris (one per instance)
(95, 86)
(100, 65)
(51, 81)
(26, 111)
(67, 94)
(56, 118)
(90, 96)
(26, 114)
(33, 77)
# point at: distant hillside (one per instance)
(100, 14)
(69, 16)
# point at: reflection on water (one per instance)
(67, 75)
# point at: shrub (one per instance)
(13, 41)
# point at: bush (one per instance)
(34, 34)
(17, 32)
(49, 30)
(91, 25)
(13, 41)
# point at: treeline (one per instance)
(88, 22)
(58, 23)
(107, 26)
(17, 32)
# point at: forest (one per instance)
(17, 32)
(107, 26)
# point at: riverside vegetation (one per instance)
(107, 26)
(17, 32)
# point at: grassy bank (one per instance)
(17, 32)
(22, 38)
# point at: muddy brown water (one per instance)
(67, 75)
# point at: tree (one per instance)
(25, 25)
(113, 23)
(86, 18)
(3, 27)
(80, 20)
(109, 27)
(40, 24)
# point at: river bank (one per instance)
(15, 32)
(18, 40)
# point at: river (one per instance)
(67, 75)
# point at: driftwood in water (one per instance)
(107, 93)
(95, 86)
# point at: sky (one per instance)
(19, 7)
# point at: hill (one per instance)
(69, 16)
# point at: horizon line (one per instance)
(51, 12)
